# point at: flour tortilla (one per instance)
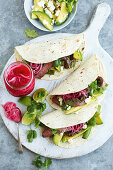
(80, 79)
(45, 52)
(57, 119)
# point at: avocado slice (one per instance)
(66, 138)
(99, 120)
(78, 55)
(74, 109)
(86, 133)
(45, 19)
(36, 8)
(57, 138)
(63, 15)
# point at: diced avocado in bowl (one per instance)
(36, 7)
(45, 19)
(63, 15)
(54, 12)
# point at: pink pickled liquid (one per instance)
(19, 79)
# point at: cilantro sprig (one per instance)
(35, 108)
(31, 134)
(31, 33)
(40, 164)
(95, 89)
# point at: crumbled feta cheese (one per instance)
(48, 12)
(85, 126)
(61, 134)
(60, 20)
(32, 6)
(53, 21)
(88, 100)
(57, 13)
(58, 3)
(70, 141)
(51, 6)
(45, 22)
(61, 68)
(41, 3)
(36, 9)
(69, 108)
(76, 113)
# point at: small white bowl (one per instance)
(28, 8)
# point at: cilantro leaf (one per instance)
(47, 163)
(31, 33)
(73, 64)
(54, 131)
(95, 89)
(36, 108)
(41, 94)
(31, 134)
(57, 63)
(39, 163)
(37, 122)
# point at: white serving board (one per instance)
(42, 146)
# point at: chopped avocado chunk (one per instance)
(63, 15)
(66, 138)
(57, 138)
(45, 19)
(86, 133)
(74, 109)
(78, 55)
(99, 120)
(36, 8)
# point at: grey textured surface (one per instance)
(13, 22)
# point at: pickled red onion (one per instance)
(74, 95)
(75, 128)
(12, 112)
(36, 67)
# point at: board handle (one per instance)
(100, 15)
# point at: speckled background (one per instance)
(13, 22)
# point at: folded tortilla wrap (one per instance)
(57, 119)
(80, 79)
(48, 51)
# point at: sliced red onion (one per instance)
(75, 128)
(12, 112)
(74, 95)
(36, 67)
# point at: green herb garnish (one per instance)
(39, 164)
(41, 94)
(36, 122)
(51, 72)
(54, 131)
(31, 33)
(31, 134)
(57, 63)
(36, 108)
(73, 64)
(95, 89)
